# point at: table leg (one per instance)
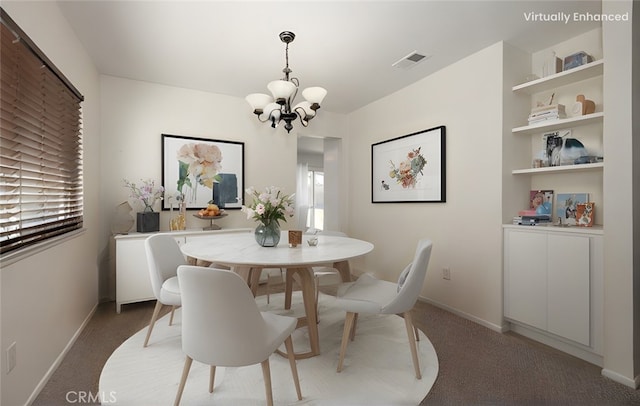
(344, 269)
(308, 297)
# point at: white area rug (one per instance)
(377, 368)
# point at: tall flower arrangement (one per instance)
(269, 206)
(147, 193)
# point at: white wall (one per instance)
(46, 297)
(620, 185)
(466, 97)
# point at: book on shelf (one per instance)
(531, 220)
(548, 107)
(552, 112)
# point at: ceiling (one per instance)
(347, 47)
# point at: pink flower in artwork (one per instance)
(204, 161)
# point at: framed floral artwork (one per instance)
(410, 168)
(200, 171)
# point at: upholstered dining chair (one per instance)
(370, 295)
(222, 326)
(163, 258)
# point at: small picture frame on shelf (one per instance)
(585, 214)
(567, 206)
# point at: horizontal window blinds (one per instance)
(41, 193)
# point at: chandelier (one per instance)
(284, 91)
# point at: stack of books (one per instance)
(544, 113)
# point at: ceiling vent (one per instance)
(410, 60)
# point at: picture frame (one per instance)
(202, 170)
(410, 168)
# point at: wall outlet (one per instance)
(446, 273)
(11, 357)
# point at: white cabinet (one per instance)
(132, 272)
(553, 284)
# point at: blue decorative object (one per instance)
(268, 235)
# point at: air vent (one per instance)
(410, 60)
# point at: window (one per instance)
(315, 219)
(40, 145)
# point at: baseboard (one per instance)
(616, 377)
(60, 357)
(498, 328)
(576, 350)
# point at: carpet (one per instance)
(377, 367)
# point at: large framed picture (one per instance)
(410, 168)
(202, 170)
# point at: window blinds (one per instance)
(41, 193)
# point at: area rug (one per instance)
(377, 369)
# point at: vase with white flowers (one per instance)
(268, 208)
(146, 194)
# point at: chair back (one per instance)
(163, 259)
(411, 280)
(221, 322)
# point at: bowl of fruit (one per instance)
(211, 210)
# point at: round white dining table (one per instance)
(240, 252)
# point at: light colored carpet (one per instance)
(377, 368)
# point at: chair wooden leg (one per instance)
(212, 377)
(348, 325)
(185, 373)
(156, 311)
(415, 330)
(294, 368)
(266, 374)
(352, 335)
(412, 343)
(173, 310)
(316, 282)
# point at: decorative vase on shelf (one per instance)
(148, 221)
(268, 235)
(180, 221)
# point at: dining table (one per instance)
(240, 252)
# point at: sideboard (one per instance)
(132, 273)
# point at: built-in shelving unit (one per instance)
(550, 296)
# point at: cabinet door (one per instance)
(526, 278)
(132, 274)
(568, 287)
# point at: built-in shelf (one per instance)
(562, 168)
(553, 125)
(567, 77)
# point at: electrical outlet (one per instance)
(446, 273)
(11, 357)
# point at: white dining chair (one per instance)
(223, 327)
(163, 259)
(370, 295)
